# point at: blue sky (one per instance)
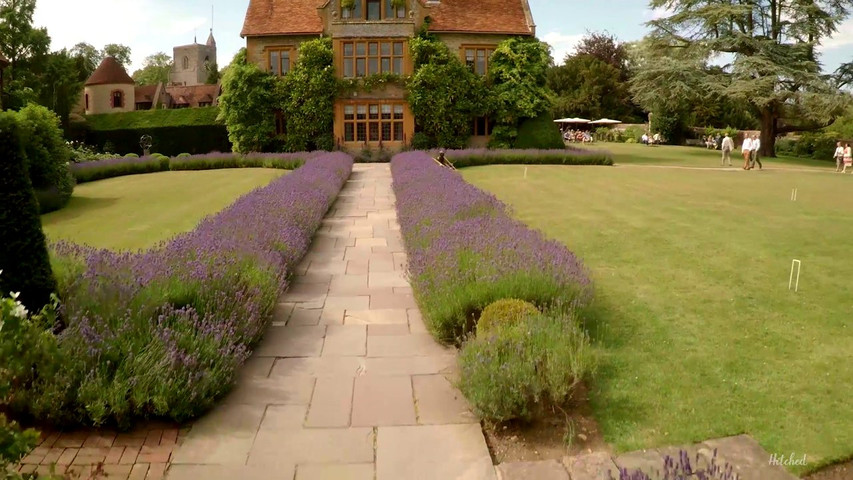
(151, 26)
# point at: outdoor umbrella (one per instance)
(572, 120)
(605, 121)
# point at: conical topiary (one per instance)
(24, 258)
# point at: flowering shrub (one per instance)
(513, 370)
(466, 252)
(120, 166)
(476, 157)
(163, 332)
(683, 469)
(24, 341)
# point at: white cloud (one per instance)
(658, 13)
(562, 44)
(147, 26)
(842, 38)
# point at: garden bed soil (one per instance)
(841, 471)
(545, 437)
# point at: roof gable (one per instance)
(110, 72)
(283, 17)
(482, 16)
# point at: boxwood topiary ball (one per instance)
(506, 311)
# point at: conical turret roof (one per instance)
(110, 72)
(211, 42)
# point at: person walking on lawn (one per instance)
(839, 157)
(727, 146)
(746, 149)
(756, 149)
(848, 158)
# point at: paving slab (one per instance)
(319, 367)
(433, 452)
(412, 345)
(747, 457)
(296, 341)
(394, 301)
(376, 316)
(345, 341)
(409, 365)
(357, 471)
(593, 466)
(272, 391)
(222, 437)
(331, 404)
(228, 472)
(440, 403)
(383, 400)
(544, 470)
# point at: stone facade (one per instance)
(380, 118)
(190, 63)
(100, 99)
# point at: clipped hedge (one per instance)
(47, 157)
(539, 133)
(163, 333)
(465, 251)
(23, 255)
(482, 156)
(191, 130)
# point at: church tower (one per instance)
(191, 63)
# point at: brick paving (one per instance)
(141, 454)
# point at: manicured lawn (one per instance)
(139, 211)
(700, 336)
(628, 153)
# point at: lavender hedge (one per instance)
(161, 333)
(478, 157)
(465, 251)
(116, 167)
(120, 166)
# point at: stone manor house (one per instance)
(110, 89)
(371, 37)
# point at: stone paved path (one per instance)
(347, 383)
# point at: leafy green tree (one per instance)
(518, 72)
(247, 105)
(155, 69)
(61, 84)
(307, 98)
(444, 94)
(774, 68)
(25, 47)
(586, 86)
(87, 57)
(213, 74)
(119, 51)
(47, 157)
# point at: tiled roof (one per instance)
(194, 94)
(482, 16)
(282, 17)
(110, 72)
(145, 93)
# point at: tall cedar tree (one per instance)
(23, 256)
(774, 66)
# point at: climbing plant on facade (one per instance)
(518, 72)
(307, 98)
(245, 105)
(444, 94)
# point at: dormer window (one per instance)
(372, 10)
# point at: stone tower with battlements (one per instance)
(191, 63)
